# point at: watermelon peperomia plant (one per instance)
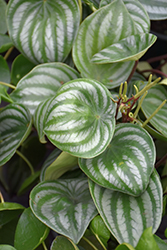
(75, 98)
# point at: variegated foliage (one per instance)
(126, 164)
(43, 31)
(80, 119)
(127, 216)
(104, 28)
(15, 126)
(64, 205)
(42, 83)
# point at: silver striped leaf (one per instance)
(43, 31)
(15, 126)
(42, 83)
(157, 9)
(65, 206)
(127, 49)
(102, 29)
(126, 216)
(156, 95)
(126, 164)
(80, 120)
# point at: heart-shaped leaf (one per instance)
(126, 216)
(32, 235)
(42, 83)
(156, 95)
(64, 205)
(102, 26)
(126, 164)
(130, 48)
(81, 118)
(43, 31)
(15, 126)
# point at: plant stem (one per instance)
(158, 164)
(156, 71)
(133, 71)
(157, 58)
(139, 105)
(1, 198)
(90, 243)
(8, 53)
(155, 112)
(27, 161)
(44, 246)
(8, 85)
(80, 9)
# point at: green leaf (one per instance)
(157, 9)
(106, 26)
(62, 164)
(43, 31)
(80, 120)
(62, 243)
(92, 3)
(147, 241)
(124, 168)
(7, 247)
(5, 43)
(15, 126)
(161, 244)
(42, 83)
(126, 216)
(51, 158)
(30, 232)
(64, 205)
(125, 246)
(156, 95)
(3, 27)
(20, 67)
(100, 230)
(4, 95)
(4, 71)
(5, 236)
(29, 182)
(127, 49)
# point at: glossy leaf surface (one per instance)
(42, 83)
(97, 27)
(126, 164)
(154, 98)
(126, 216)
(62, 243)
(81, 118)
(15, 126)
(127, 49)
(30, 232)
(147, 241)
(43, 31)
(64, 205)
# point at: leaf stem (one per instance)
(8, 53)
(97, 237)
(1, 198)
(76, 248)
(8, 85)
(133, 71)
(139, 105)
(90, 243)
(44, 245)
(27, 161)
(155, 71)
(158, 164)
(155, 112)
(80, 9)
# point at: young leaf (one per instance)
(99, 31)
(156, 95)
(127, 49)
(62, 164)
(43, 31)
(147, 241)
(15, 126)
(62, 243)
(3, 27)
(124, 168)
(126, 216)
(64, 205)
(42, 83)
(30, 232)
(80, 120)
